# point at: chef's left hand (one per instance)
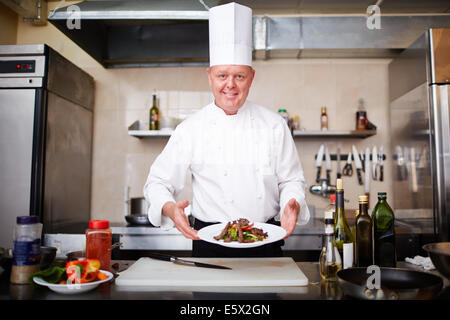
(290, 216)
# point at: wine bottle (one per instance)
(384, 233)
(154, 115)
(364, 251)
(330, 260)
(342, 233)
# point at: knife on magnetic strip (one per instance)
(174, 259)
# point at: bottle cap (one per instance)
(27, 219)
(339, 184)
(282, 110)
(333, 197)
(98, 224)
(382, 195)
(363, 199)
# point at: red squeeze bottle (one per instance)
(98, 243)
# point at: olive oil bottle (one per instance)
(364, 252)
(384, 233)
(342, 233)
(154, 115)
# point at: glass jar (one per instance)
(98, 243)
(27, 249)
(361, 120)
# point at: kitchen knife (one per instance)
(374, 162)
(367, 173)
(415, 188)
(400, 162)
(338, 163)
(174, 259)
(327, 163)
(361, 156)
(357, 164)
(380, 162)
(319, 162)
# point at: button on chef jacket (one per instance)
(243, 166)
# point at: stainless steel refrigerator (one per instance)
(420, 129)
(46, 118)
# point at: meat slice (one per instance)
(240, 233)
(224, 232)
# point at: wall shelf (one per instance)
(134, 130)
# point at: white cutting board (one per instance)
(245, 272)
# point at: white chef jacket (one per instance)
(243, 166)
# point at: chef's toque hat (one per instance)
(230, 35)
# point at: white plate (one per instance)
(274, 233)
(73, 288)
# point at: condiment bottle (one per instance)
(342, 233)
(324, 119)
(154, 115)
(27, 249)
(330, 259)
(98, 243)
(283, 113)
(363, 239)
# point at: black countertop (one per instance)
(315, 290)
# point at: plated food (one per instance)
(252, 234)
(241, 230)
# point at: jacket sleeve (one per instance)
(291, 181)
(167, 178)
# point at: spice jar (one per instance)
(361, 120)
(98, 243)
(27, 249)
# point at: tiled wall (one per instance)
(301, 86)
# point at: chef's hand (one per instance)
(290, 216)
(175, 211)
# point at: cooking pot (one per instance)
(138, 212)
(439, 253)
(395, 284)
(138, 206)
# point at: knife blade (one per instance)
(174, 259)
(357, 164)
(398, 151)
(319, 162)
(338, 163)
(327, 163)
(374, 162)
(380, 162)
(367, 173)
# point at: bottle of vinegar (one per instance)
(342, 233)
(364, 252)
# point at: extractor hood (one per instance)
(149, 33)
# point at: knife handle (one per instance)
(318, 175)
(358, 171)
(381, 173)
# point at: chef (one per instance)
(241, 156)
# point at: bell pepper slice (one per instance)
(82, 271)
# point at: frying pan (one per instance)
(138, 219)
(396, 284)
(439, 253)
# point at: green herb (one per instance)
(51, 275)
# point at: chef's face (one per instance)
(230, 85)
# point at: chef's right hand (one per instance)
(175, 211)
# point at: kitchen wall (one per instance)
(301, 86)
(8, 25)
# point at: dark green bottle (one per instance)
(384, 233)
(364, 256)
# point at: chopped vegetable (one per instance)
(240, 230)
(82, 271)
(51, 275)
